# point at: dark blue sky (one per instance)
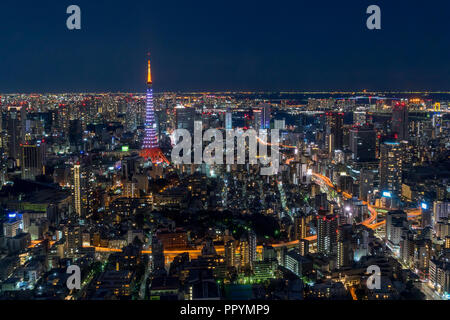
(224, 45)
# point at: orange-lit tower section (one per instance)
(150, 146)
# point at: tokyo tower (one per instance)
(150, 147)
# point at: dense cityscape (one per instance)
(87, 180)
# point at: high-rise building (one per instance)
(150, 146)
(363, 143)
(73, 239)
(391, 167)
(400, 121)
(230, 253)
(395, 222)
(265, 116)
(304, 247)
(300, 227)
(326, 233)
(228, 120)
(158, 261)
(366, 182)
(15, 127)
(335, 136)
(252, 242)
(426, 215)
(344, 246)
(185, 118)
(248, 249)
(32, 160)
(12, 227)
(75, 134)
(80, 197)
(441, 210)
(257, 119)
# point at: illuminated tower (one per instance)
(150, 147)
(77, 189)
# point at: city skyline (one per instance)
(196, 153)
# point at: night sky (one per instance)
(224, 45)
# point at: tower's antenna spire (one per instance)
(149, 71)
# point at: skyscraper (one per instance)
(75, 134)
(248, 249)
(185, 117)
(363, 143)
(265, 116)
(391, 167)
(344, 249)
(14, 126)
(335, 136)
(400, 121)
(300, 227)
(158, 260)
(78, 190)
(230, 253)
(32, 160)
(228, 120)
(326, 233)
(395, 222)
(150, 147)
(257, 119)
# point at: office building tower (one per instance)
(391, 167)
(344, 246)
(15, 125)
(334, 129)
(32, 160)
(185, 118)
(257, 114)
(400, 121)
(265, 116)
(363, 143)
(75, 135)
